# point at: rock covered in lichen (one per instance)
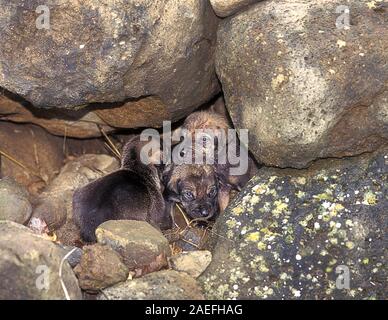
(292, 233)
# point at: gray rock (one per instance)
(225, 8)
(127, 49)
(75, 257)
(100, 267)
(30, 265)
(162, 285)
(14, 203)
(69, 123)
(304, 88)
(291, 233)
(139, 243)
(193, 263)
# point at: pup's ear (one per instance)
(224, 186)
(223, 197)
(100, 201)
(171, 183)
(146, 152)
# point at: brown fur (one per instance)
(204, 120)
(198, 180)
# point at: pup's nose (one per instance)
(204, 212)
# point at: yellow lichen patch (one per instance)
(300, 194)
(272, 192)
(349, 223)
(324, 196)
(333, 241)
(274, 224)
(338, 207)
(321, 176)
(365, 261)
(246, 199)
(280, 207)
(254, 236)
(260, 188)
(261, 246)
(289, 239)
(237, 210)
(370, 198)
(335, 209)
(268, 234)
(263, 268)
(284, 276)
(231, 223)
(301, 180)
(278, 80)
(341, 43)
(350, 245)
(371, 4)
(306, 220)
(272, 179)
(329, 269)
(254, 200)
(258, 222)
(266, 207)
(332, 262)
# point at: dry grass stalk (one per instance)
(109, 143)
(29, 170)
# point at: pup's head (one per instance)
(195, 187)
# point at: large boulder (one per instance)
(88, 122)
(30, 267)
(303, 87)
(70, 123)
(305, 234)
(109, 51)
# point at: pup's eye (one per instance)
(212, 192)
(188, 195)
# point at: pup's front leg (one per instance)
(169, 212)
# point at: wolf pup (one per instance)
(134, 192)
(202, 189)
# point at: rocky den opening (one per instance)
(308, 79)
